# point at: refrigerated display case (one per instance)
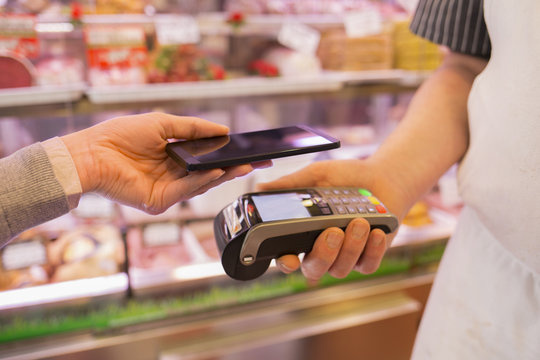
(164, 293)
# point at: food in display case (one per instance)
(418, 215)
(49, 254)
(337, 51)
(179, 63)
(24, 262)
(88, 251)
(19, 44)
(22, 72)
(117, 54)
(412, 52)
(60, 71)
(156, 246)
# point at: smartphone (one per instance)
(248, 147)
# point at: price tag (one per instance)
(299, 37)
(178, 30)
(23, 255)
(161, 234)
(363, 23)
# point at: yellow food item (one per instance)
(418, 215)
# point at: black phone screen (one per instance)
(242, 148)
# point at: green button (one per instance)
(364, 192)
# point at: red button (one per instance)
(381, 209)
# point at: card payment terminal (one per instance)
(262, 226)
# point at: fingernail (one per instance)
(221, 173)
(359, 231)
(378, 239)
(333, 240)
(284, 268)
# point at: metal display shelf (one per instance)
(328, 81)
(65, 292)
(41, 95)
(210, 23)
(214, 89)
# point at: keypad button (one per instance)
(341, 209)
(365, 200)
(380, 209)
(351, 209)
(364, 192)
(374, 200)
(345, 192)
(361, 209)
(335, 200)
(371, 209)
(355, 199)
(345, 200)
(336, 192)
(326, 191)
(326, 211)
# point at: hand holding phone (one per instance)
(243, 148)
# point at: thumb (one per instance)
(188, 127)
(301, 178)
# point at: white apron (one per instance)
(485, 303)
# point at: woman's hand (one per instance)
(336, 251)
(124, 159)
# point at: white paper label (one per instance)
(299, 37)
(161, 234)
(24, 254)
(178, 30)
(363, 23)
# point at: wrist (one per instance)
(390, 186)
(81, 153)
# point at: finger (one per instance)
(288, 263)
(191, 183)
(324, 253)
(188, 127)
(371, 257)
(230, 174)
(262, 164)
(356, 236)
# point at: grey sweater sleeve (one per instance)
(30, 194)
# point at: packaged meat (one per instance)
(117, 54)
(60, 71)
(88, 251)
(156, 246)
(15, 71)
(24, 262)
